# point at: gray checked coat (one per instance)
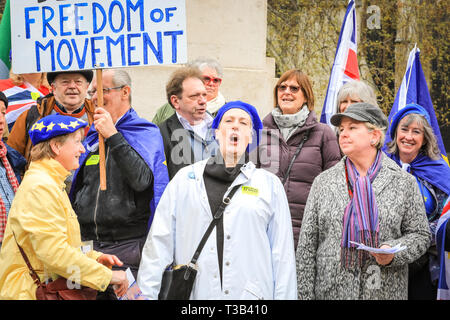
(402, 219)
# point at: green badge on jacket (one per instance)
(93, 160)
(250, 191)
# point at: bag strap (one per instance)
(33, 273)
(299, 148)
(214, 222)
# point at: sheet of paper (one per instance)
(133, 292)
(394, 249)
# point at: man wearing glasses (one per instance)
(187, 134)
(117, 219)
(212, 79)
(68, 97)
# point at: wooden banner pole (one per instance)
(101, 142)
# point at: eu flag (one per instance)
(414, 89)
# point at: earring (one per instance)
(372, 142)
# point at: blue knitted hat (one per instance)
(409, 108)
(251, 110)
(54, 125)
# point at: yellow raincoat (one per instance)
(47, 229)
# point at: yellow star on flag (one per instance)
(39, 126)
(63, 125)
(74, 124)
(50, 126)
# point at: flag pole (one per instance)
(101, 142)
(409, 78)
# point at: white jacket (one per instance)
(258, 253)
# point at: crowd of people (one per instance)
(292, 199)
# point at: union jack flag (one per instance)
(345, 66)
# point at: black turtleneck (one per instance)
(218, 179)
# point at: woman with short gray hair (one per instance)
(355, 91)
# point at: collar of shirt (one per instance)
(200, 129)
(60, 106)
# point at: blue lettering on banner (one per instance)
(81, 60)
(52, 53)
(111, 14)
(58, 54)
(74, 35)
(148, 42)
(78, 18)
(174, 35)
(29, 21)
(63, 18)
(139, 5)
(95, 8)
(45, 22)
(169, 14)
(95, 50)
(132, 48)
(157, 15)
(109, 42)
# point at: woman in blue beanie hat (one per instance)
(250, 252)
(415, 149)
(42, 222)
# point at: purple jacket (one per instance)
(319, 152)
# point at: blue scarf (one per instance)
(435, 172)
(144, 137)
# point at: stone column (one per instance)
(231, 31)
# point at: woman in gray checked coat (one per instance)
(365, 198)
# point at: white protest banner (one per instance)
(58, 35)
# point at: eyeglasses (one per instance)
(105, 90)
(293, 89)
(207, 80)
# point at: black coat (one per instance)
(122, 211)
(178, 145)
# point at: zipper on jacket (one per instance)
(96, 201)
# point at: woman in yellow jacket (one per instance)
(43, 223)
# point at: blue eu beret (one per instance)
(251, 110)
(54, 125)
(408, 109)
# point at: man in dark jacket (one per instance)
(187, 134)
(117, 219)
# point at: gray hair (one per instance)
(429, 146)
(121, 78)
(359, 89)
(202, 63)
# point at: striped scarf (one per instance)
(360, 222)
(14, 184)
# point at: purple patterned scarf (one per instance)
(360, 222)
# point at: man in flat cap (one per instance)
(68, 97)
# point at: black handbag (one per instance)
(178, 281)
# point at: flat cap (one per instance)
(364, 112)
